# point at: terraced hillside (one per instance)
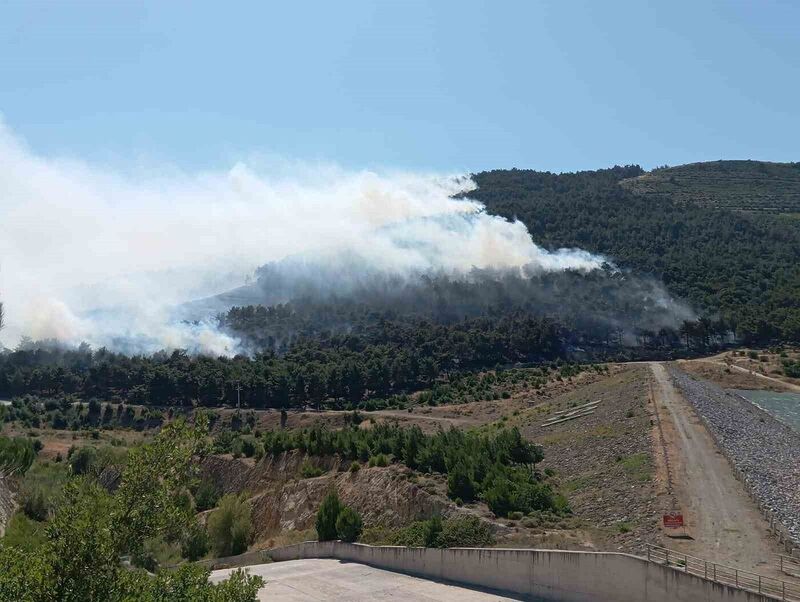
(753, 186)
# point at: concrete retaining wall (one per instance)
(534, 574)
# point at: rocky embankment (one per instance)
(765, 451)
(282, 500)
(7, 504)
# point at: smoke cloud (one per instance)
(92, 254)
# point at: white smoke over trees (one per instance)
(93, 254)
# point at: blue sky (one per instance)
(445, 86)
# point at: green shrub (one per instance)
(229, 526)
(348, 524)
(23, 533)
(16, 455)
(40, 488)
(355, 466)
(432, 531)
(194, 543)
(327, 515)
(35, 504)
(380, 460)
(460, 484)
(83, 460)
(248, 447)
(465, 532)
(309, 471)
(206, 496)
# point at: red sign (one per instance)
(673, 520)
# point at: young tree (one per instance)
(327, 515)
(229, 526)
(348, 524)
(459, 483)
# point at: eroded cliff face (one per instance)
(282, 500)
(8, 504)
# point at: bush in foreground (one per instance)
(229, 526)
(92, 528)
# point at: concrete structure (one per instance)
(328, 580)
(534, 574)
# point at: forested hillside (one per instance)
(725, 271)
(747, 267)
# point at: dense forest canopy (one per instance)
(744, 266)
(726, 273)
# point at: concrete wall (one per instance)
(535, 574)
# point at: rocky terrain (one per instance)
(763, 450)
(283, 501)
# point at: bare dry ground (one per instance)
(726, 377)
(58, 442)
(605, 460)
(738, 370)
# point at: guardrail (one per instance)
(769, 586)
(788, 565)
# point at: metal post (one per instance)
(715, 571)
(759, 584)
(648, 552)
(705, 572)
(736, 572)
(667, 561)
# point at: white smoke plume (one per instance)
(102, 256)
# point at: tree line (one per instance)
(496, 467)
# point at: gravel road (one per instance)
(723, 522)
(765, 451)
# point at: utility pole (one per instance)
(238, 395)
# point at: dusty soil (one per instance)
(736, 369)
(429, 419)
(604, 460)
(729, 377)
(723, 522)
(57, 442)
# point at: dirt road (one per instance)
(778, 381)
(723, 521)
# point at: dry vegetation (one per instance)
(746, 369)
